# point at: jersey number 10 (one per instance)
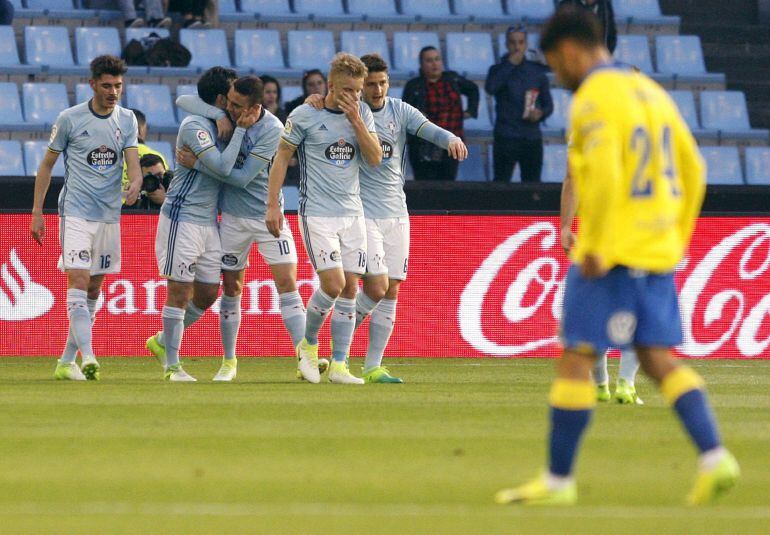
(642, 145)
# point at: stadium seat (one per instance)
(319, 7)
(685, 101)
(554, 163)
(311, 49)
(473, 169)
(83, 93)
(208, 47)
(9, 53)
(290, 198)
(266, 7)
(470, 53)
(184, 89)
(407, 46)
(139, 33)
(559, 118)
(360, 43)
(93, 42)
(50, 4)
(10, 112)
(164, 147)
(642, 11)
(724, 110)
(426, 8)
(155, 101)
(724, 165)
(634, 50)
(43, 102)
(33, 154)
(227, 7)
(11, 159)
(758, 166)
(481, 125)
(482, 11)
(679, 54)
(290, 92)
(533, 47)
(47, 45)
(259, 49)
(530, 10)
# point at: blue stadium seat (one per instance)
(360, 43)
(758, 166)
(679, 54)
(227, 7)
(530, 10)
(50, 4)
(311, 49)
(481, 125)
(43, 102)
(139, 33)
(9, 53)
(559, 118)
(319, 7)
(10, 111)
(431, 11)
(685, 101)
(208, 47)
(383, 11)
(634, 50)
(533, 47)
(554, 163)
(482, 11)
(724, 165)
(290, 92)
(93, 42)
(33, 155)
(47, 45)
(472, 169)
(164, 147)
(83, 93)
(470, 53)
(271, 11)
(724, 110)
(642, 12)
(17, 4)
(155, 101)
(184, 89)
(259, 49)
(407, 46)
(290, 198)
(11, 159)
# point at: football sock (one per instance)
(192, 314)
(572, 403)
(318, 309)
(364, 307)
(173, 327)
(70, 346)
(629, 365)
(293, 315)
(229, 323)
(80, 321)
(380, 329)
(683, 388)
(343, 325)
(601, 377)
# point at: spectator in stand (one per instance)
(6, 13)
(313, 83)
(437, 93)
(271, 98)
(156, 18)
(192, 13)
(522, 101)
(603, 10)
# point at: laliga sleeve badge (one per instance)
(288, 127)
(204, 139)
(54, 131)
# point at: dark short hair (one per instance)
(571, 22)
(308, 74)
(107, 64)
(374, 63)
(250, 86)
(425, 49)
(148, 160)
(215, 81)
(141, 120)
(267, 79)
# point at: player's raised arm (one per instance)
(199, 141)
(195, 105)
(692, 171)
(274, 215)
(363, 126)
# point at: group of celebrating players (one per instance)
(637, 177)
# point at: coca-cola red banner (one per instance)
(478, 286)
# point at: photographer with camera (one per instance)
(155, 181)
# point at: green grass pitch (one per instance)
(269, 454)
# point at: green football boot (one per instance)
(156, 348)
(380, 374)
(603, 392)
(625, 393)
(536, 492)
(711, 484)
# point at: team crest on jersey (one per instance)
(392, 128)
(387, 149)
(54, 130)
(118, 135)
(340, 153)
(102, 158)
(203, 138)
(287, 128)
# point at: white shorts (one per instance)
(387, 247)
(238, 233)
(90, 245)
(188, 252)
(335, 242)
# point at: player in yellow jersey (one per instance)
(640, 180)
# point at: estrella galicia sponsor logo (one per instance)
(102, 158)
(229, 260)
(340, 153)
(84, 255)
(387, 150)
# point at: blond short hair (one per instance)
(347, 65)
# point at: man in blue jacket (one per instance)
(522, 101)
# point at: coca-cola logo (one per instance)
(712, 315)
(21, 298)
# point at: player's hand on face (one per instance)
(317, 101)
(134, 189)
(349, 105)
(567, 239)
(592, 267)
(224, 128)
(274, 219)
(248, 117)
(457, 149)
(186, 157)
(37, 228)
